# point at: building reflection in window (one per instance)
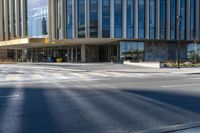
(132, 51)
(37, 11)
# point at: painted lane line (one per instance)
(173, 128)
(182, 85)
(11, 96)
(194, 78)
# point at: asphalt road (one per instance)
(36, 98)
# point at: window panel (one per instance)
(118, 18)
(106, 18)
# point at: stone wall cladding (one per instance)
(164, 51)
(156, 51)
(91, 53)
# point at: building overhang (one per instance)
(44, 42)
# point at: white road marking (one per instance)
(194, 78)
(10, 96)
(14, 77)
(182, 85)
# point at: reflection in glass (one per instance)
(183, 14)
(152, 19)
(141, 19)
(69, 18)
(118, 18)
(81, 18)
(130, 30)
(162, 19)
(106, 18)
(93, 18)
(173, 18)
(37, 10)
(132, 51)
(192, 15)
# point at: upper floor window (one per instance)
(118, 18)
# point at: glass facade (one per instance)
(152, 19)
(141, 18)
(81, 18)
(132, 51)
(194, 52)
(93, 18)
(118, 18)
(173, 19)
(183, 23)
(192, 18)
(37, 17)
(162, 19)
(37, 14)
(130, 18)
(69, 18)
(106, 18)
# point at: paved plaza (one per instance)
(98, 98)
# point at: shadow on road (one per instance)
(78, 110)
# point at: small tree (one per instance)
(196, 42)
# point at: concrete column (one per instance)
(147, 19)
(87, 18)
(50, 20)
(24, 55)
(136, 24)
(157, 19)
(63, 18)
(25, 19)
(188, 20)
(168, 19)
(124, 20)
(83, 55)
(11, 18)
(18, 19)
(100, 19)
(6, 19)
(3, 53)
(197, 17)
(1, 20)
(112, 19)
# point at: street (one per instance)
(97, 98)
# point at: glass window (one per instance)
(173, 19)
(141, 18)
(81, 18)
(93, 18)
(194, 52)
(152, 19)
(69, 18)
(58, 19)
(37, 15)
(118, 18)
(106, 19)
(132, 51)
(130, 22)
(162, 19)
(192, 15)
(183, 14)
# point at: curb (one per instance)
(173, 128)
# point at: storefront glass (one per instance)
(194, 52)
(132, 51)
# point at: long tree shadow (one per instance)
(4, 96)
(187, 102)
(36, 116)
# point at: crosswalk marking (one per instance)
(13, 77)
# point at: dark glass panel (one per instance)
(106, 18)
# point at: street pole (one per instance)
(179, 38)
